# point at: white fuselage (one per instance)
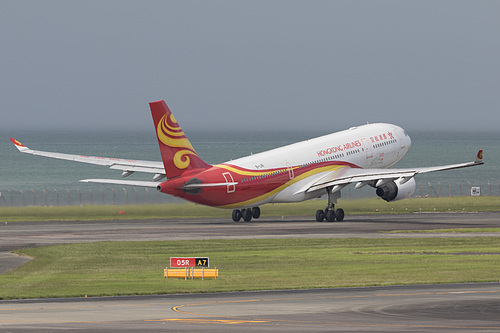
(367, 146)
(377, 146)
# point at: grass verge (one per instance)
(444, 231)
(133, 268)
(187, 210)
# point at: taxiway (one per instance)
(444, 308)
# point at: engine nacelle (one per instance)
(394, 190)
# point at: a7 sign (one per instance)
(189, 262)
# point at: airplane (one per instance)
(301, 171)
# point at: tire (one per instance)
(340, 215)
(320, 215)
(256, 212)
(330, 215)
(236, 215)
(247, 215)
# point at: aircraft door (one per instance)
(229, 179)
(368, 148)
(290, 170)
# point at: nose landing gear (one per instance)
(247, 214)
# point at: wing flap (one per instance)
(133, 168)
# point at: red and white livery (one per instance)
(362, 155)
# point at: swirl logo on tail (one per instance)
(171, 135)
(177, 153)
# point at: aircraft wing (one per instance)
(376, 177)
(127, 166)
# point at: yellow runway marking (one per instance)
(255, 320)
(177, 308)
(241, 320)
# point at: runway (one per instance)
(444, 308)
(427, 308)
(15, 235)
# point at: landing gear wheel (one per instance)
(247, 215)
(339, 215)
(330, 215)
(320, 215)
(256, 212)
(236, 215)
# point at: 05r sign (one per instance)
(189, 262)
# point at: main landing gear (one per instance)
(246, 214)
(330, 214)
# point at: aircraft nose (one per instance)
(408, 140)
(404, 137)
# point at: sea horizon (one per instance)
(35, 176)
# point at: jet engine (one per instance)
(396, 189)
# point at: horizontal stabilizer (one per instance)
(122, 182)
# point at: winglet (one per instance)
(22, 148)
(479, 157)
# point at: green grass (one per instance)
(442, 204)
(440, 231)
(132, 268)
(187, 210)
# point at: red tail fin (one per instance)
(177, 153)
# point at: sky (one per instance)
(250, 65)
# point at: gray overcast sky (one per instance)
(250, 64)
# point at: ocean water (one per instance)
(33, 180)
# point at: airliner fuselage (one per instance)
(278, 175)
(360, 155)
